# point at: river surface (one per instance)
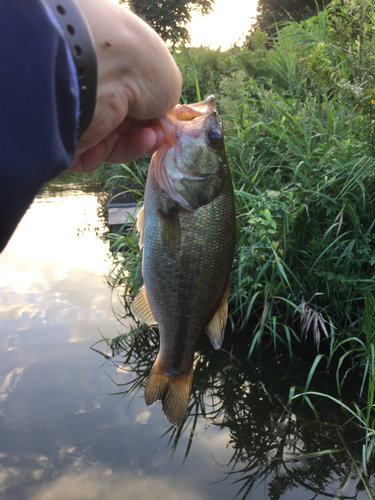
(71, 430)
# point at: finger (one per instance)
(133, 147)
(90, 159)
(160, 136)
(117, 148)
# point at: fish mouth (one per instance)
(197, 110)
(205, 107)
(188, 116)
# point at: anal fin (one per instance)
(216, 327)
(172, 390)
(141, 308)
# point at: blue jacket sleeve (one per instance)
(38, 107)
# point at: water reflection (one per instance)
(44, 264)
(278, 450)
(62, 436)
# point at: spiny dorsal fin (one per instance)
(172, 391)
(216, 327)
(141, 226)
(141, 308)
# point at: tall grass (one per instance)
(301, 147)
(304, 170)
(126, 269)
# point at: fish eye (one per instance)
(213, 137)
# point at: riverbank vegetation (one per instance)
(299, 115)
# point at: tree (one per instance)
(169, 17)
(271, 11)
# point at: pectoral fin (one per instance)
(173, 391)
(141, 226)
(198, 191)
(216, 327)
(170, 231)
(141, 308)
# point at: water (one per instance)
(65, 435)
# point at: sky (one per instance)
(224, 27)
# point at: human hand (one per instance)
(138, 81)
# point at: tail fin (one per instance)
(172, 391)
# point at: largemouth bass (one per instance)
(187, 230)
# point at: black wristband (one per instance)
(79, 39)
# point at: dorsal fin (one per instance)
(216, 327)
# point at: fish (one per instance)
(187, 229)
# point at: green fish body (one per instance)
(188, 234)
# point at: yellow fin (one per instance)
(216, 327)
(141, 226)
(173, 391)
(141, 308)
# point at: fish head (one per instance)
(190, 166)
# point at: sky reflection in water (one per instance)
(62, 436)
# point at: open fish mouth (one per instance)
(195, 113)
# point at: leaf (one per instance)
(267, 215)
